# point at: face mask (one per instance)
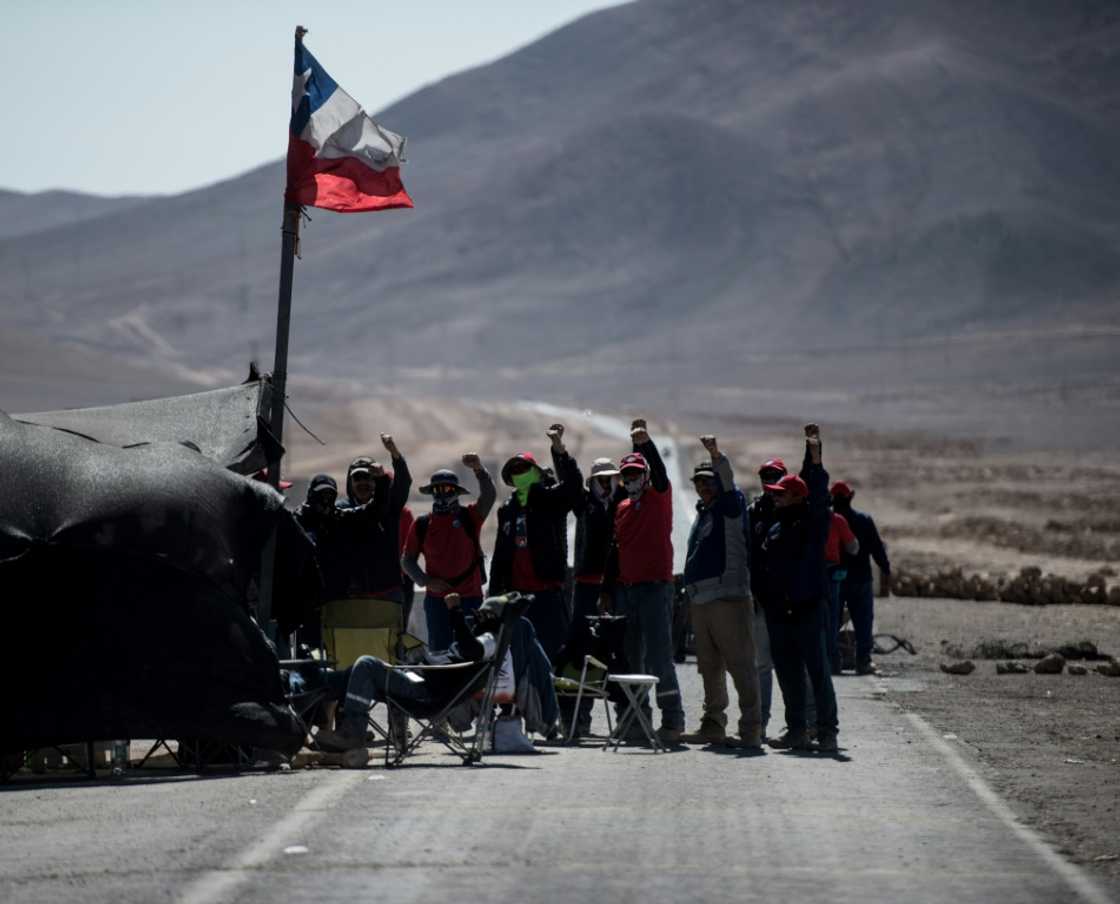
(635, 486)
(522, 483)
(601, 488)
(445, 503)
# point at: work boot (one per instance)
(339, 741)
(355, 758)
(792, 741)
(745, 742)
(827, 743)
(867, 667)
(670, 737)
(711, 732)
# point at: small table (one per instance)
(636, 689)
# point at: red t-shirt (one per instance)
(448, 549)
(524, 577)
(839, 536)
(644, 531)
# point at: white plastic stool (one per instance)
(636, 689)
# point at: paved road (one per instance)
(893, 819)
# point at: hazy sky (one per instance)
(153, 97)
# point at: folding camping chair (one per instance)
(592, 684)
(476, 678)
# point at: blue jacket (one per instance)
(794, 547)
(716, 566)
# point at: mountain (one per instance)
(24, 213)
(892, 212)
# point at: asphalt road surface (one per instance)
(898, 816)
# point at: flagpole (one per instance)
(289, 244)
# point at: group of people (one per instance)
(766, 580)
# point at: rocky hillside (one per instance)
(894, 213)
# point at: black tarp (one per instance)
(229, 426)
(123, 579)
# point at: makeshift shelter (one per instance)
(228, 426)
(126, 574)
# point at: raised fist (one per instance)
(556, 435)
(709, 442)
(638, 431)
(472, 461)
(390, 445)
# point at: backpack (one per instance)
(466, 523)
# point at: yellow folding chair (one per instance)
(362, 627)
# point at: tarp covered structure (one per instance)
(124, 576)
(229, 426)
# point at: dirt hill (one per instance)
(902, 214)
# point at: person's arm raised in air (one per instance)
(487, 492)
(568, 475)
(728, 502)
(402, 477)
(639, 436)
(816, 479)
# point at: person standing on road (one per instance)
(760, 517)
(531, 551)
(373, 549)
(716, 576)
(594, 513)
(639, 578)
(856, 590)
(448, 539)
(841, 543)
(797, 598)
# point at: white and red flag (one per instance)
(338, 157)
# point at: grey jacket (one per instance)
(717, 566)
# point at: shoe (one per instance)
(826, 743)
(338, 741)
(711, 732)
(745, 742)
(791, 741)
(867, 668)
(669, 736)
(355, 758)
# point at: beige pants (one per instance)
(725, 643)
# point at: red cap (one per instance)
(635, 460)
(520, 456)
(841, 488)
(774, 464)
(791, 484)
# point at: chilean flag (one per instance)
(338, 158)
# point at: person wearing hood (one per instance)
(638, 581)
(531, 550)
(797, 598)
(856, 591)
(448, 539)
(372, 547)
(716, 578)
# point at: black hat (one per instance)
(704, 471)
(443, 478)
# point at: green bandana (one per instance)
(523, 482)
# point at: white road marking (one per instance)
(1079, 882)
(219, 883)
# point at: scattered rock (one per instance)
(1074, 669)
(1011, 668)
(1082, 649)
(1110, 668)
(960, 667)
(1050, 665)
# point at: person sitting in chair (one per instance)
(370, 680)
